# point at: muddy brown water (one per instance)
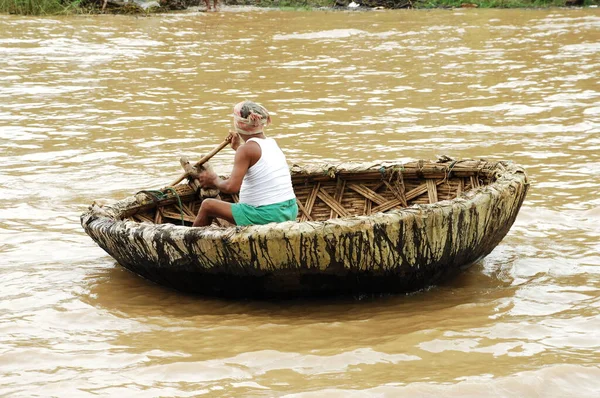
(100, 107)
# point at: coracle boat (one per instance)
(361, 229)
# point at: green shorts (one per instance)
(244, 214)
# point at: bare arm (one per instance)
(245, 157)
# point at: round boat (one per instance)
(361, 229)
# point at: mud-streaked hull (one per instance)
(398, 251)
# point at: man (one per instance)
(215, 3)
(260, 174)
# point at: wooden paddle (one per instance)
(204, 159)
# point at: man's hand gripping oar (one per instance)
(204, 159)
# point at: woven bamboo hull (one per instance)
(402, 250)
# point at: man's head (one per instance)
(250, 118)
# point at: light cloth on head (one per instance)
(257, 117)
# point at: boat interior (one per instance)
(331, 192)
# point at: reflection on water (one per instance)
(99, 107)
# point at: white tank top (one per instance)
(268, 181)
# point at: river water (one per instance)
(103, 106)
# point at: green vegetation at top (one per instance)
(39, 7)
(55, 7)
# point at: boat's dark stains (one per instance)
(196, 257)
(143, 250)
(308, 250)
(447, 252)
(404, 251)
(232, 259)
(254, 254)
(382, 241)
(262, 250)
(162, 240)
(352, 245)
(289, 249)
(425, 251)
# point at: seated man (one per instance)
(260, 174)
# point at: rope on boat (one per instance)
(450, 168)
(157, 196)
(178, 201)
